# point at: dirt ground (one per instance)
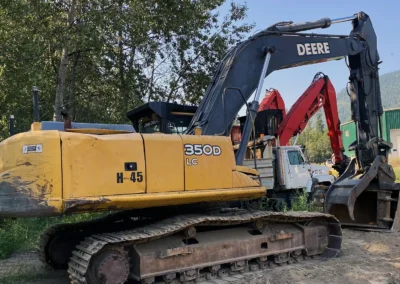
(367, 257)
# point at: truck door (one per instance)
(298, 174)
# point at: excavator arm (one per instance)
(236, 77)
(368, 179)
(320, 93)
(281, 47)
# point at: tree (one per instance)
(316, 141)
(319, 123)
(98, 59)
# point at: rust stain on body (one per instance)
(18, 200)
(44, 189)
(83, 204)
(24, 164)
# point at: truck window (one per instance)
(295, 158)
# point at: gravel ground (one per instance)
(367, 257)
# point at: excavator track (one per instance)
(54, 252)
(96, 254)
(57, 241)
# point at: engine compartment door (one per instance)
(102, 165)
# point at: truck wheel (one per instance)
(317, 195)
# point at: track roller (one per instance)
(110, 266)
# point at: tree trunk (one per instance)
(71, 98)
(62, 70)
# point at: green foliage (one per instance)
(299, 202)
(268, 205)
(319, 123)
(23, 234)
(395, 163)
(116, 55)
(397, 173)
(315, 139)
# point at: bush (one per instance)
(300, 202)
(271, 205)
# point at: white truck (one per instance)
(285, 172)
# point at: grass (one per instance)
(23, 234)
(395, 163)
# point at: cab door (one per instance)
(298, 170)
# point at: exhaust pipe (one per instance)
(11, 125)
(35, 104)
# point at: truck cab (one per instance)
(298, 170)
(285, 169)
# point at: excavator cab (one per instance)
(156, 117)
(266, 122)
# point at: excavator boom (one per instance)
(273, 100)
(320, 93)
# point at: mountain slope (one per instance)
(390, 89)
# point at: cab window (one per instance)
(177, 124)
(295, 158)
(149, 126)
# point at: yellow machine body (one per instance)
(47, 173)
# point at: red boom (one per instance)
(273, 100)
(320, 93)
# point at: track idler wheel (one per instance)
(59, 248)
(109, 266)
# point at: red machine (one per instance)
(320, 93)
(273, 100)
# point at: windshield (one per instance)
(178, 123)
(149, 124)
(295, 158)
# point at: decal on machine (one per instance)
(134, 177)
(36, 148)
(199, 150)
(313, 48)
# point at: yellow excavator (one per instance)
(183, 206)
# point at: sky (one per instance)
(292, 82)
